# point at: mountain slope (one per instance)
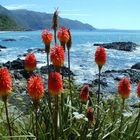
(37, 20)
(7, 23)
(31, 20)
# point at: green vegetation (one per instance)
(75, 126)
(7, 24)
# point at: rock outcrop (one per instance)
(122, 46)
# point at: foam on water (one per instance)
(82, 51)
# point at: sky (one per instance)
(102, 14)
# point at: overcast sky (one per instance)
(116, 14)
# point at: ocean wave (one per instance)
(24, 38)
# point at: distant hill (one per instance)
(7, 24)
(31, 20)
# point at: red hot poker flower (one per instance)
(84, 94)
(55, 84)
(35, 87)
(124, 88)
(5, 82)
(63, 36)
(30, 62)
(90, 114)
(100, 56)
(138, 90)
(47, 37)
(57, 56)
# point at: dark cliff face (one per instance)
(31, 20)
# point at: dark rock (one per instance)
(64, 70)
(136, 66)
(110, 79)
(9, 39)
(15, 65)
(103, 82)
(29, 50)
(26, 74)
(123, 46)
(22, 55)
(36, 50)
(2, 47)
(134, 75)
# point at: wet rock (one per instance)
(20, 74)
(122, 46)
(2, 47)
(110, 79)
(36, 50)
(9, 39)
(15, 65)
(64, 70)
(136, 66)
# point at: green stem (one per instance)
(55, 39)
(121, 123)
(69, 59)
(69, 75)
(56, 118)
(84, 132)
(81, 106)
(48, 63)
(36, 118)
(61, 114)
(7, 117)
(98, 94)
(136, 126)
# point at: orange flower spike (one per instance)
(100, 56)
(35, 87)
(47, 38)
(55, 84)
(124, 88)
(57, 56)
(30, 62)
(63, 36)
(5, 82)
(138, 90)
(84, 94)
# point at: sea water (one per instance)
(82, 51)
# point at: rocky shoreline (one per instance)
(122, 46)
(109, 78)
(20, 78)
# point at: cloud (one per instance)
(16, 6)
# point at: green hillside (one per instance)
(7, 24)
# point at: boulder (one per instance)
(122, 46)
(36, 50)
(136, 66)
(66, 72)
(2, 47)
(15, 65)
(110, 79)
